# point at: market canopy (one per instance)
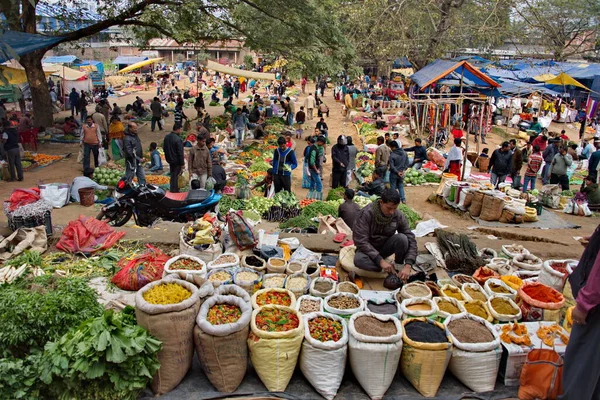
(15, 44)
(16, 75)
(238, 72)
(60, 59)
(563, 79)
(139, 65)
(441, 69)
(128, 60)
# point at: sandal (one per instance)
(347, 243)
(339, 237)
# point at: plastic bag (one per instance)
(22, 197)
(183, 179)
(541, 376)
(240, 231)
(102, 159)
(56, 194)
(141, 270)
(87, 235)
(210, 183)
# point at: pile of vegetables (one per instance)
(319, 208)
(414, 177)
(259, 166)
(273, 297)
(300, 222)
(22, 265)
(411, 215)
(335, 194)
(229, 202)
(157, 179)
(106, 176)
(44, 159)
(276, 320)
(259, 204)
(221, 314)
(285, 199)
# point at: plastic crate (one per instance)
(539, 207)
(45, 219)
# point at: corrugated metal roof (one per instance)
(128, 60)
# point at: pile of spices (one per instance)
(186, 264)
(559, 267)
(543, 293)
(454, 292)
(277, 262)
(309, 305)
(512, 281)
(295, 266)
(274, 282)
(246, 276)
(418, 307)
(435, 289)
(502, 306)
(475, 293)
(220, 276)
(324, 329)
(276, 320)
(220, 314)
(468, 331)
(371, 326)
(462, 278)
(425, 332)
(343, 302)
(382, 308)
(167, 293)
(254, 261)
(323, 286)
(482, 274)
(417, 290)
(448, 307)
(273, 297)
(224, 259)
(347, 287)
(296, 283)
(476, 308)
(496, 288)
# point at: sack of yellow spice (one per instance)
(167, 309)
(503, 309)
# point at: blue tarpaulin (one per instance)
(60, 59)
(14, 44)
(401, 63)
(128, 60)
(443, 69)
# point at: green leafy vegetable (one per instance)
(335, 194)
(285, 199)
(300, 221)
(319, 208)
(410, 214)
(32, 258)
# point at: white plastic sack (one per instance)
(406, 313)
(57, 194)
(494, 344)
(512, 293)
(520, 262)
(550, 277)
(303, 254)
(350, 311)
(233, 290)
(308, 297)
(316, 293)
(102, 159)
(504, 317)
(216, 264)
(476, 370)
(197, 277)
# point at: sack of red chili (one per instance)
(374, 348)
(554, 273)
(188, 268)
(142, 269)
(276, 334)
(220, 336)
(273, 296)
(324, 350)
(539, 302)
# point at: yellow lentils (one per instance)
(167, 293)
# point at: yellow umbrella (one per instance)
(140, 65)
(564, 80)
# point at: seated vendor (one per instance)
(376, 186)
(535, 126)
(266, 182)
(591, 191)
(155, 161)
(420, 154)
(84, 181)
(381, 230)
(70, 126)
(219, 175)
(348, 210)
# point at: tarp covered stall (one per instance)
(238, 72)
(60, 59)
(563, 79)
(15, 74)
(14, 44)
(139, 65)
(443, 69)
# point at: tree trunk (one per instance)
(40, 95)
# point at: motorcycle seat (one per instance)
(185, 199)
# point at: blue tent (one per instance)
(443, 69)
(14, 44)
(60, 59)
(401, 63)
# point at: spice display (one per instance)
(476, 308)
(273, 282)
(512, 281)
(475, 293)
(425, 332)
(454, 292)
(296, 283)
(387, 307)
(272, 319)
(325, 329)
(323, 286)
(448, 307)
(312, 268)
(416, 290)
(371, 326)
(220, 276)
(502, 306)
(254, 261)
(515, 333)
(186, 264)
(468, 331)
(224, 259)
(516, 249)
(496, 288)
(167, 293)
(309, 305)
(483, 274)
(435, 289)
(462, 278)
(273, 297)
(559, 267)
(246, 276)
(543, 293)
(221, 314)
(550, 332)
(347, 288)
(277, 262)
(343, 302)
(418, 307)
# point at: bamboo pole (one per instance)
(435, 126)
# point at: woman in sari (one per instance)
(116, 132)
(305, 176)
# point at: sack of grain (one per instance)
(322, 287)
(374, 349)
(424, 364)
(308, 304)
(233, 290)
(248, 279)
(253, 262)
(415, 289)
(503, 309)
(343, 304)
(220, 276)
(495, 287)
(554, 273)
(323, 360)
(264, 297)
(418, 307)
(476, 204)
(273, 281)
(528, 262)
(491, 209)
(476, 351)
(297, 283)
(225, 260)
(274, 353)
(347, 287)
(173, 325)
(276, 265)
(221, 347)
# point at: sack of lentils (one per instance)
(427, 351)
(276, 334)
(414, 289)
(253, 262)
(503, 309)
(476, 353)
(347, 287)
(374, 349)
(343, 304)
(273, 296)
(221, 276)
(324, 350)
(384, 307)
(418, 307)
(308, 304)
(322, 287)
(167, 309)
(220, 336)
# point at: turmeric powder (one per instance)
(476, 308)
(502, 306)
(498, 288)
(448, 307)
(453, 292)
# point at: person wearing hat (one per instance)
(284, 161)
(314, 169)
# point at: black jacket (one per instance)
(500, 163)
(374, 188)
(398, 161)
(340, 155)
(173, 147)
(420, 153)
(133, 146)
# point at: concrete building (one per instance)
(225, 52)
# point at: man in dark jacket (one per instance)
(398, 166)
(341, 158)
(173, 147)
(156, 108)
(420, 154)
(10, 140)
(284, 161)
(548, 155)
(219, 175)
(348, 210)
(516, 164)
(74, 101)
(134, 160)
(375, 187)
(500, 164)
(381, 230)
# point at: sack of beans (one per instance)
(324, 350)
(343, 304)
(374, 348)
(415, 289)
(347, 287)
(253, 262)
(474, 291)
(273, 296)
(273, 281)
(225, 260)
(384, 307)
(451, 291)
(220, 336)
(495, 287)
(276, 334)
(248, 279)
(276, 265)
(233, 290)
(539, 302)
(322, 287)
(297, 283)
(167, 309)
(503, 309)
(448, 306)
(308, 304)
(476, 351)
(479, 309)
(427, 351)
(554, 273)
(188, 268)
(418, 307)
(294, 267)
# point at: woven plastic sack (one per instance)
(141, 270)
(541, 376)
(87, 235)
(240, 231)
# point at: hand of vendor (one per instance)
(578, 316)
(405, 273)
(387, 267)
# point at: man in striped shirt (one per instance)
(533, 166)
(179, 116)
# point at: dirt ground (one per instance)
(540, 242)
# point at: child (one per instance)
(155, 161)
(266, 182)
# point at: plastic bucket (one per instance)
(86, 197)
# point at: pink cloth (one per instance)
(589, 295)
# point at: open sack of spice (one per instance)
(220, 336)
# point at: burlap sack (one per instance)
(476, 203)
(468, 199)
(491, 209)
(173, 325)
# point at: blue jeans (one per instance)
(153, 123)
(315, 182)
(239, 134)
(363, 194)
(83, 113)
(546, 173)
(290, 119)
(529, 180)
(397, 183)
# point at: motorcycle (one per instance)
(148, 203)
